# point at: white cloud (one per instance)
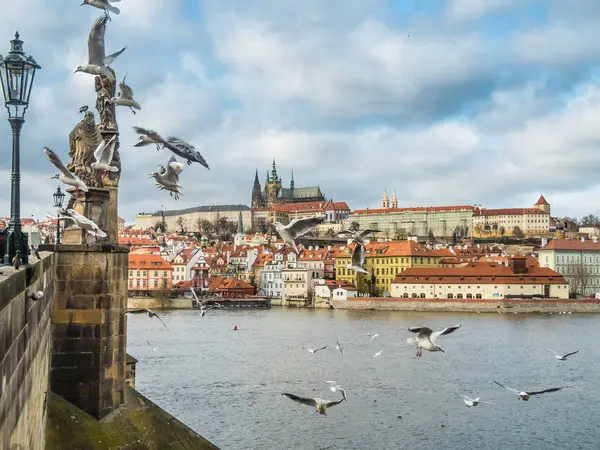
(472, 9)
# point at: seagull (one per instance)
(319, 404)
(310, 350)
(150, 314)
(358, 258)
(153, 349)
(372, 336)
(204, 309)
(84, 108)
(185, 150)
(104, 155)
(97, 61)
(65, 176)
(328, 302)
(524, 395)
(561, 357)
(426, 338)
(377, 354)
(297, 228)
(16, 261)
(125, 97)
(82, 222)
(168, 179)
(103, 4)
(473, 401)
(333, 386)
(358, 236)
(148, 137)
(338, 346)
(35, 296)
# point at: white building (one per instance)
(592, 232)
(183, 263)
(578, 260)
(344, 293)
(502, 222)
(296, 284)
(271, 279)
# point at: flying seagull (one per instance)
(97, 61)
(473, 401)
(125, 97)
(35, 296)
(358, 236)
(168, 179)
(426, 338)
(150, 314)
(148, 137)
(297, 228)
(338, 346)
(358, 258)
(185, 150)
(372, 336)
(319, 404)
(104, 155)
(84, 108)
(562, 357)
(103, 4)
(310, 350)
(16, 261)
(524, 395)
(377, 354)
(65, 175)
(82, 222)
(333, 386)
(327, 301)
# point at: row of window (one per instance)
(422, 295)
(142, 284)
(142, 273)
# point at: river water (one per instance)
(227, 384)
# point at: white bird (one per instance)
(525, 395)
(150, 314)
(125, 97)
(82, 222)
(338, 346)
(103, 4)
(426, 338)
(310, 350)
(372, 336)
(333, 386)
(104, 155)
(35, 296)
(327, 301)
(473, 401)
(359, 254)
(153, 349)
(97, 61)
(377, 354)
(319, 404)
(148, 137)
(297, 228)
(561, 357)
(358, 236)
(168, 179)
(185, 150)
(65, 175)
(16, 261)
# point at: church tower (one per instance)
(292, 182)
(385, 202)
(394, 200)
(257, 200)
(542, 205)
(240, 236)
(273, 186)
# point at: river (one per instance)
(227, 384)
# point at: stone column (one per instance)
(95, 205)
(89, 326)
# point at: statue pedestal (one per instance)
(94, 205)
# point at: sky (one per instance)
(446, 102)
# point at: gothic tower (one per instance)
(292, 182)
(273, 186)
(394, 200)
(257, 200)
(385, 201)
(542, 205)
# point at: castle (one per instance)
(274, 194)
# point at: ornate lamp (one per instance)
(59, 198)
(17, 72)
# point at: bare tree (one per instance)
(518, 233)
(180, 222)
(354, 226)
(579, 277)
(431, 236)
(401, 234)
(160, 226)
(261, 225)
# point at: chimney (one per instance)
(544, 242)
(518, 264)
(582, 239)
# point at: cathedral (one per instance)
(275, 194)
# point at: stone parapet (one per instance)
(95, 205)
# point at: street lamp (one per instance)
(17, 72)
(59, 198)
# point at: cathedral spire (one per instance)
(274, 171)
(240, 229)
(292, 181)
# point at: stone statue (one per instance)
(83, 140)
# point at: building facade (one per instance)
(506, 222)
(578, 260)
(149, 273)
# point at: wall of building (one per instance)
(484, 290)
(25, 337)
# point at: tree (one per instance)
(590, 221)
(180, 222)
(431, 236)
(354, 226)
(501, 230)
(454, 238)
(477, 230)
(330, 233)
(401, 234)
(579, 277)
(518, 233)
(160, 226)
(262, 225)
(204, 226)
(495, 227)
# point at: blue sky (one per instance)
(444, 101)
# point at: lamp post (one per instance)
(59, 198)
(17, 72)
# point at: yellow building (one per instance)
(384, 260)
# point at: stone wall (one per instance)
(475, 305)
(25, 336)
(155, 303)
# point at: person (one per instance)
(235, 328)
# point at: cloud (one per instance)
(354, 96)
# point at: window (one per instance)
(450, 296)
(459, 296)
(478, 296)
(422, 295)
(469, 295)
(414, 295)
(405, 295)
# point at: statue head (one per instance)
(88, 118)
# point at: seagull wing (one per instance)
(340, 347)
(330, 404)
(174, 168)
(96, 41)
(55, 160)
(516, 391)
(365, 233)
(188, 149)
(161, 321)
(303, 400)
(552, 351)
(299, 227)
(195, 296)
(467, 398)
(344, 233)
(150, 134)
(421, 330)
(343, 391)
(136, 311)
(322, 348)
(572, 353)
(98, 151)
(445, 331)
(357, 254)
(545, 390)
(125, 90)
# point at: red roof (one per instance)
(148, 262)
(541, 201)
(508, 211)
(312, 206)
(572, 244)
